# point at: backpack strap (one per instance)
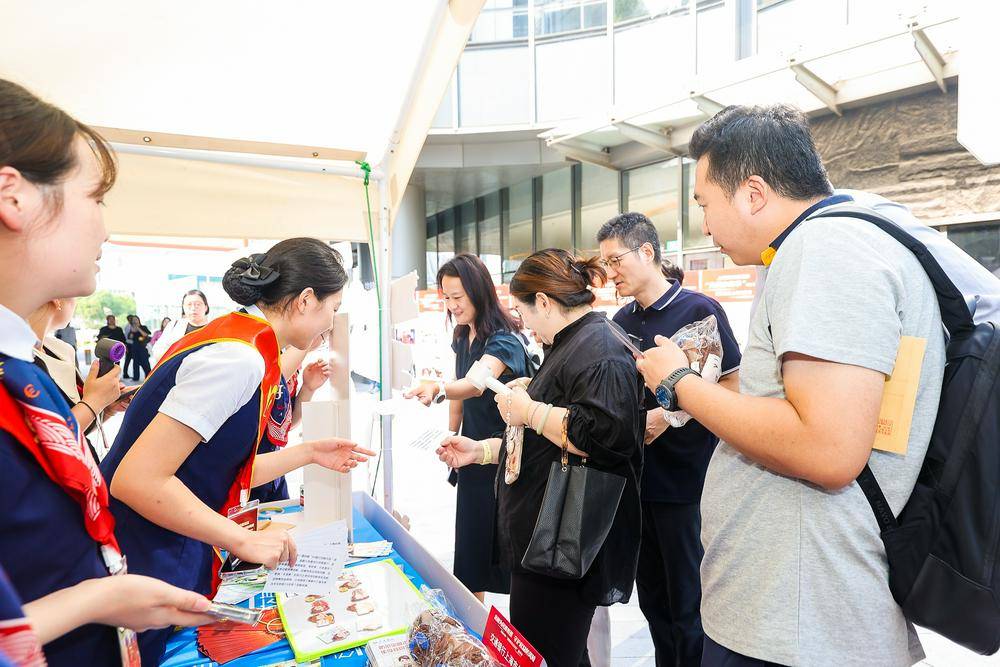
(955, 315)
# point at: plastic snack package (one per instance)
(702, 344)
(438, 639)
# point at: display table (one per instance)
(371, 523)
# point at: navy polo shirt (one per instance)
(675, 465)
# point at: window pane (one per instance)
(517, 234)
(693, 236)
(652, 191)
(446, 235)
(432, 257)
(467, 232)
(599, 203)
(595, 15)
(489, 234)
(980, 241)
(557, 218)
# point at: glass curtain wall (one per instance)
(598, 204)
(557, 212)
(519, 229)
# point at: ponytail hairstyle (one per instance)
(491, 316)
(560, 275)
(278, 276)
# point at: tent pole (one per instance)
(248, 159)
(385, 328)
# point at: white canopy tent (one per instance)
(243, 118)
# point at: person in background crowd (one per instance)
(67, 334)
(587, 394)
(127, 330)
(159, 332)
(92, 399)
(112, 330)
(58, 544)
(484, 332)
(138, 340)
(186, 452)
(194, 315)
(668, 582)
(795, 571)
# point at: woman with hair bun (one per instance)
(185, 454)
(588, 390)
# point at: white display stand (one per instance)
(328, 493)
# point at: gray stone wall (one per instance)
(906, 150)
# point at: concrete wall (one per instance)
(906, 150)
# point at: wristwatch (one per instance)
(665, 393)
(440, 397)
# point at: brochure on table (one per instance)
(373, 600)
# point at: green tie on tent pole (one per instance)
(367, 169)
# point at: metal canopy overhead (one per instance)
(847, 69)
(240, 118)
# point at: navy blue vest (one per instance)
(44, 547)
(209, 472)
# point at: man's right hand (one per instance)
(656, 425)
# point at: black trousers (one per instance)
(668, 581)
(552, 617)
(716, 655)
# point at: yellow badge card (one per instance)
(892, 434)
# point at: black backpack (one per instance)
(944, 547)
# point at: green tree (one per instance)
(94, 309)
(629, 9)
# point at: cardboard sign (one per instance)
(506, 644)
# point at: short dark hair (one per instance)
(491, 315)
(771, 141)
(632, 229)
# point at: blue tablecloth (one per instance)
(182, 649)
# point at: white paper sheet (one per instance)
(430, 439)
(322, 553)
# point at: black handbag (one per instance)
(577, 512)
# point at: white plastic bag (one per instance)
(702, 344)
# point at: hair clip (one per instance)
(253, 273)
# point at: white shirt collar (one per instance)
(16, 337)
(252, 309)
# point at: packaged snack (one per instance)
(702, 344)
(438, 639)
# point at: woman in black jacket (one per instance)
(588, 394)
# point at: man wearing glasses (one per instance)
(668, 580)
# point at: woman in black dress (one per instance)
(484, 332)
(589, 392)
(138, 339)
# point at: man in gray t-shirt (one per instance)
(794, 570)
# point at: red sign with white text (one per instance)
(507, 645)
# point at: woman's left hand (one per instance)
(315, 374)
(338, 454)
(514, 406)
